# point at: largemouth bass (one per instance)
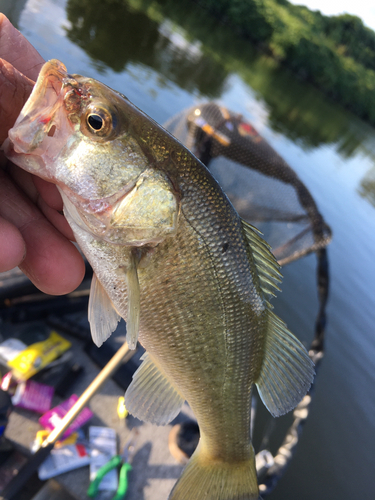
(173, 258)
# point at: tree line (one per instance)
(335, 53)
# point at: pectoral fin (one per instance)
(134, 304)
(287, 371)
(152, 396)
(103, 317)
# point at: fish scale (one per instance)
(223, 336)
(173, 258)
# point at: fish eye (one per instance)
(96, 122)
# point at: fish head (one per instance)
(77, 133)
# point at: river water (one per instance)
(167, 62)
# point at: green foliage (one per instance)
(294, 108)
(116, 34)
(355, 39)
(367, 188)
(253, 19)
(336, 54)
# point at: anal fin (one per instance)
(103, 317)
(287, 371)
(152, 397)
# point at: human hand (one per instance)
(34, 234)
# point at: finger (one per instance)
(51, 205)
(49, 193)
(12, 246)
(52, 262)
(15, 88)
(18, 51)
(56, 218)
(44, 195)
(23, 179)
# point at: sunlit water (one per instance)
(150, 60)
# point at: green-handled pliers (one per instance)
(115, 461)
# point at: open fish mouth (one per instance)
(36, 118)
(70, 117)
(44, 117)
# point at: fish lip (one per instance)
(10, 152)
(51, 77)
(30, 162)
(25, 144)
(32, 124)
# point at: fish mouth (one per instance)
(32, 124)
(43, 117)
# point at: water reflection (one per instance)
(196, 54)
(367, 186)
(12, 9)
(182, 45)
(113, 34)
(262, 187)
(296, 109)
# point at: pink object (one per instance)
(53, 417)
(7, 383)
(33, 396)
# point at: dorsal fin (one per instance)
(287, 371)
(265, 262)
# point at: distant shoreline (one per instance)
(334, 53)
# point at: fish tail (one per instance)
(216, 480)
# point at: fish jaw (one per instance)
(104, 177)
(41, 130)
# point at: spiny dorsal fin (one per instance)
(266, 264)
(287, 371)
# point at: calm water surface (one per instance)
(167, 60)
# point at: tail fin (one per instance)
(214, 480)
